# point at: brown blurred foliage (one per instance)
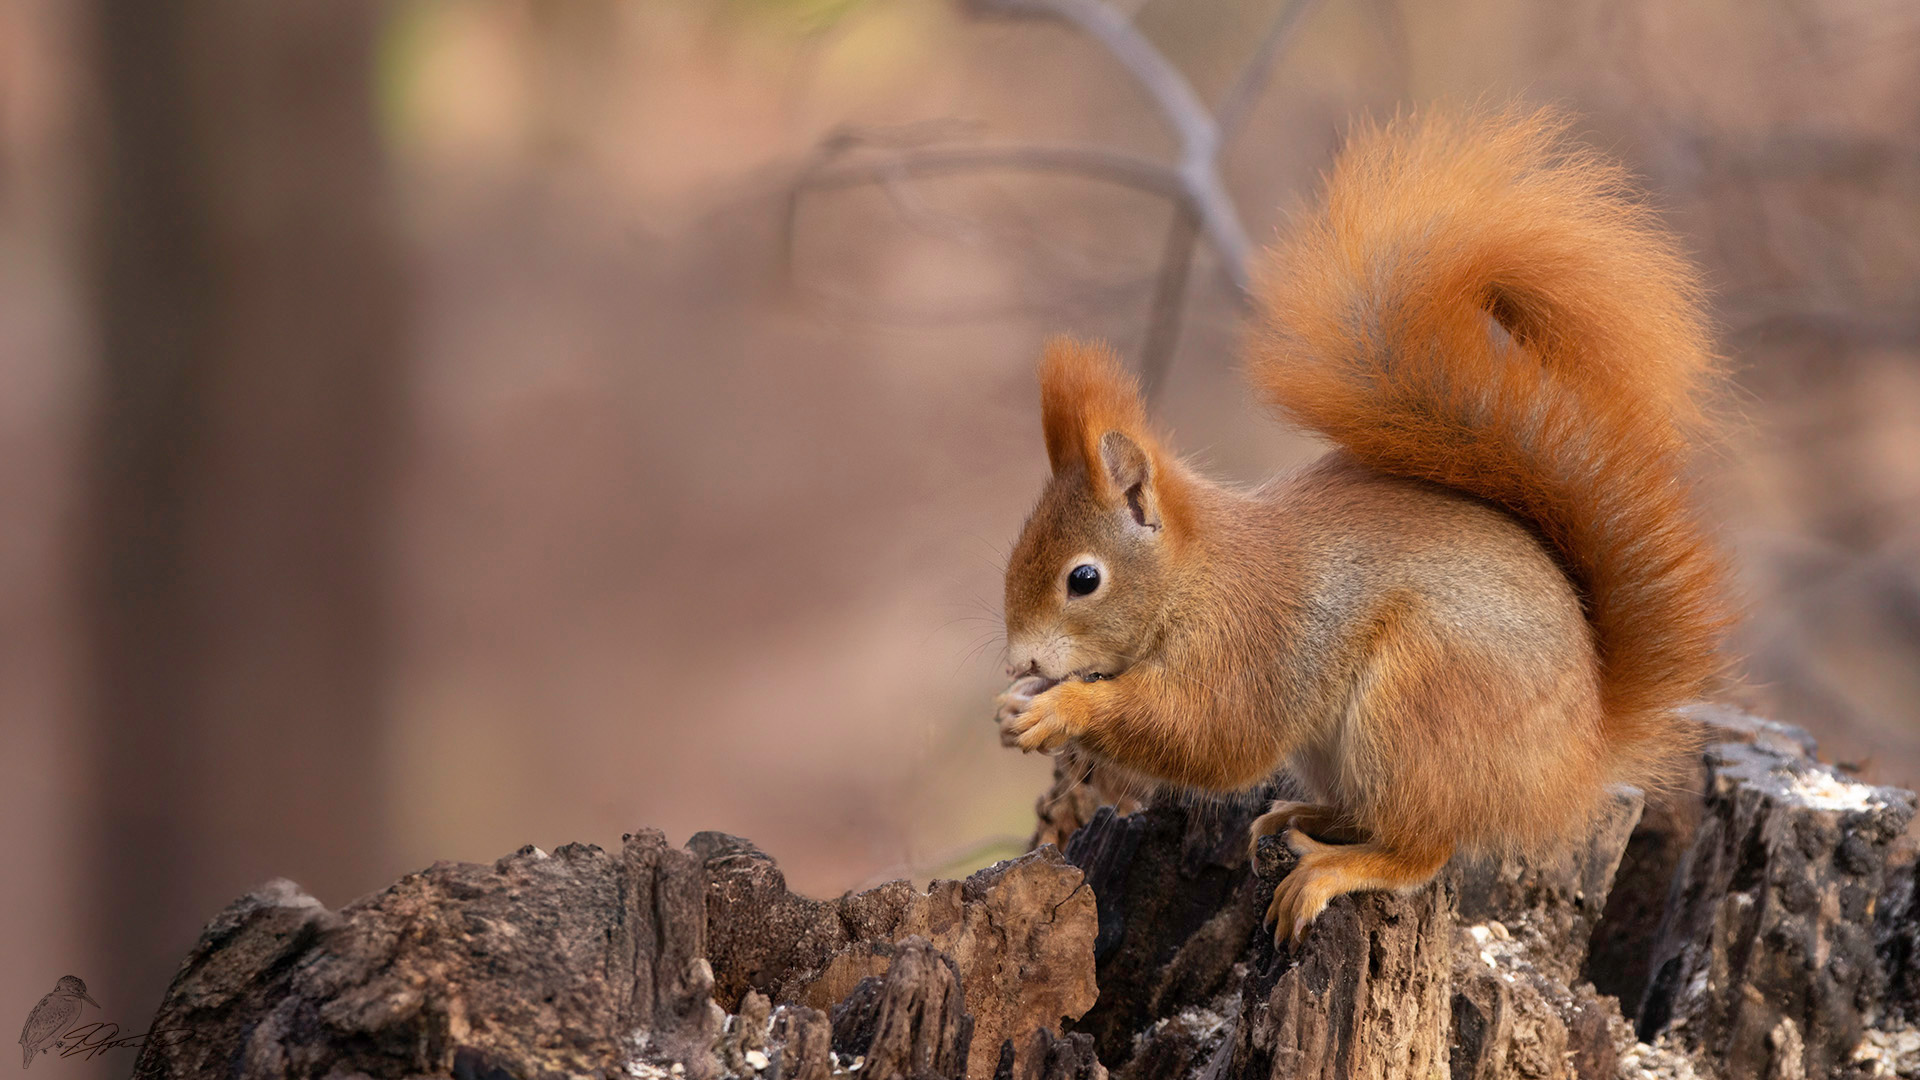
(426, 429)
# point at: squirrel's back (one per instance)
(1478, 304)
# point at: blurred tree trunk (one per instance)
(250, 319)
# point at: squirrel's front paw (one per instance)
(1044, 726)
(1015, 701)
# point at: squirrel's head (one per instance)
(1086, 585)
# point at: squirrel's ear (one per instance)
(1129, 473)
(1094, 421)
(1085, 393)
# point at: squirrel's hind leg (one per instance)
(1329, 870)
(1313, 819)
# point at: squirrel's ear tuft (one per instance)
(1085, 393)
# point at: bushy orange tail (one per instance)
(1479, 304)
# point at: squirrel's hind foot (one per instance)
(1329, 870)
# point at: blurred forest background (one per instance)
(434, 426)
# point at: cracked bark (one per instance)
(1785, 925)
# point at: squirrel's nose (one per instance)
(1017, 672)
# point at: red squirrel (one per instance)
(1476, 612)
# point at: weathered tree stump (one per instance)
(1766, 963)
(1021, 934)
(1519, 1005)
(910, 1022)
(537, 964)
(1364, 995)
(586, 962)
(1783, 899)
(1551, 905)
(802, 1039)
(1049, 1056)
(1897, 937)
(1176, 912)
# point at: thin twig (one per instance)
(1193, 184)
(1169, 89)
(1180, 107)
(1169, 298)
(827, 173)
(1239, 100)
(1126, 170)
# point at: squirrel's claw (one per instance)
(1298, 899)
(1284, 918)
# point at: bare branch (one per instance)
(1125, 170)
(1169, 299)
(1178, 103)
(1179, 106)
(1239, 100)
(828, 173)
(849, 137)
(1201, 204)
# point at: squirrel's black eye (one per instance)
(1083, 579)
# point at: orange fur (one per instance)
(1085, 392)
(1458, 628)
(1376, 335)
